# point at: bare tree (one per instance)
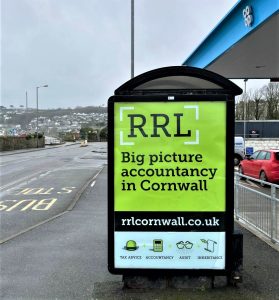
(271, 96)
(258, 104)
(249, 103)
(239, 108)
(243, 102)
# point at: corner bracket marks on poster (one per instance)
(122, 143)
(197, 141)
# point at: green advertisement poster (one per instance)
(170, 156)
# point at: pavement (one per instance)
(70, 261)
(260, 279)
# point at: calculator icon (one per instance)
(158, 245)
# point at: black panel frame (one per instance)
(229, 224)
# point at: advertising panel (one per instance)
(169, 185)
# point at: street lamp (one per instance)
(37, 101)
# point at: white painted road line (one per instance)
(253, 184)
(23, 179)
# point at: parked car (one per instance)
(238, 150)
(263, 165)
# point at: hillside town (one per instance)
(52, 123)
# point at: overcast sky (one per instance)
(81, 48)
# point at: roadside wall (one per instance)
(9, 143)
(262, 143)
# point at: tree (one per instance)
(258, 104)
(239, 108)
(86, 132)
(271, 96)
(104, 133)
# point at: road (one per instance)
(39, 185)
(66, 258)
(61, 259)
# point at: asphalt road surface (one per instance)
(66, 256)
(67, 259)
(39, 185)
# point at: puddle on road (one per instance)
(96, 157)
(98, 151)
(96, 154)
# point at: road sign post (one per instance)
(170, 179)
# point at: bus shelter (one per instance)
(171, 175)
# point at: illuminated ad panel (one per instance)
(169, 185)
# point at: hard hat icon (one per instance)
(131, 245)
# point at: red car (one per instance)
(263, 165)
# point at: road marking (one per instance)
(27, 204)
(41, 190)
(76, 198)
(79, 193)
(30, 178)
(12, 162)
(31, 227)
(94, 178)
(253, 184)
(27, 178)
(46, 173)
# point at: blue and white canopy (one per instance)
(245, 44)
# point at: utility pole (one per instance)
(26, 100)
(37, 118)
(37, 109)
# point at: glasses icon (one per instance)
(187, 245)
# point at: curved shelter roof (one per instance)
(245, 44)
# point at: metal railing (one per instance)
(258, 206)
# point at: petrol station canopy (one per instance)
(244, 45)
